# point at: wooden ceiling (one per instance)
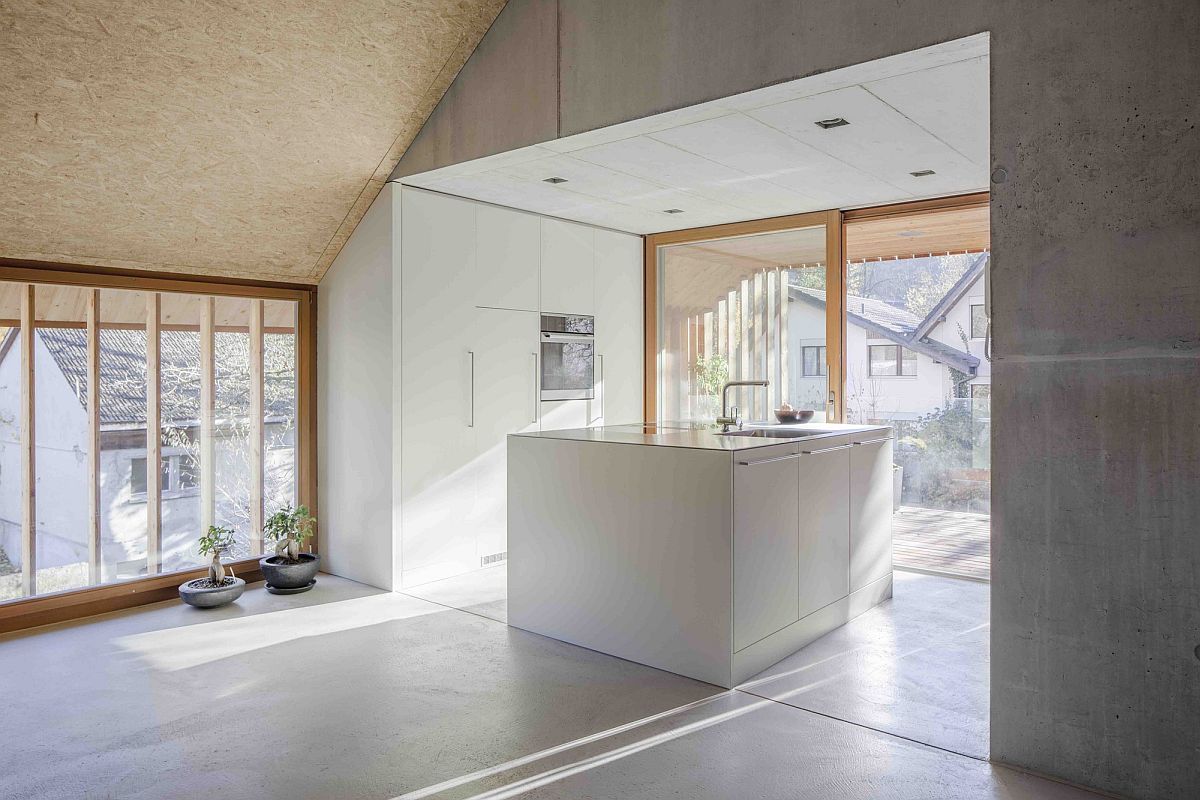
(915, 235)
(697, 273)
(213, 137)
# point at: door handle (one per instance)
(535, 386)
(875, 441)
(769, 460)
(825, 450)
(603, 388)
(471, 354)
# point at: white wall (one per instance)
(866, 397)
(960, 314)
(354, 401)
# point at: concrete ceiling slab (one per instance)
(212, 137)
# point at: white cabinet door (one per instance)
(619, 326)
(507, 258)
(505, 345)
(765, 548)
(824, 494)
(562, 415)
(870, 512)
(437, 266)
(568, 258)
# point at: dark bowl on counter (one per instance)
(794, 416)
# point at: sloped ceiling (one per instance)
(221, 138)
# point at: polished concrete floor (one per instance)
(348, 692)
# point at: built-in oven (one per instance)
(568, 354)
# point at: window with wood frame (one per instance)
(98, 383)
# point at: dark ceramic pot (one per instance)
(201, 592)
(284, 577)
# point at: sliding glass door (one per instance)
(918, 359)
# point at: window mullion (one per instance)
(153, 434)
(28, 451)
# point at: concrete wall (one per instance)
(354, 400)
(1095, 229)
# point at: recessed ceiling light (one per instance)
(554, 179)
(832, 122)
(922, 173)
(673, 211)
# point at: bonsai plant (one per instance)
(217, 541)
(217, 589)
(289, 571)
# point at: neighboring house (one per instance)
(898, 366)
(62, 445)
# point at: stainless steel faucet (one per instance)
(730, 416)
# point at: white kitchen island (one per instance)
(706, 555)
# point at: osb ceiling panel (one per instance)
(219, 138)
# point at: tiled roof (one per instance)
(894, 324)
(123, 375)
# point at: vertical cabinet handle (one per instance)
(535, 386)
(603, 388)
(471, 355)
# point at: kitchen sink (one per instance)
(768, 433)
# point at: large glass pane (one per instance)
(179, 381)
(279, 404)
(916, 358)
(61, 438)
(743, 308)
(123, 513)
(232, 445)
(11, 381)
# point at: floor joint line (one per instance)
(866, 727)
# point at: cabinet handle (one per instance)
(824, 450)
(875, 441)
(535, 386)
(471, 354)
(769, 460)
(603, 388)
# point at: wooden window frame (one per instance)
(835, 278)
(835, 307)
(29, 612)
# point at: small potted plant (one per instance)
(217, 589)
(289, 571)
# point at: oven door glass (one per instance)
(567, 367)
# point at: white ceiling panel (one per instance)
(670, 166)
(879, 140)
(760, 151)
(638, 127)
(760, 154)
(957, 113)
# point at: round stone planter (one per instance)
(290, 578)
(203, 593)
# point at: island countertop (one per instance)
(700, 436)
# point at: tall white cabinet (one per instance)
(568, 267)
(474, 281)
(619, 327)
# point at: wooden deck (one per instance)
(945, 542)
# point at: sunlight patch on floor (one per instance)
(188, 646)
